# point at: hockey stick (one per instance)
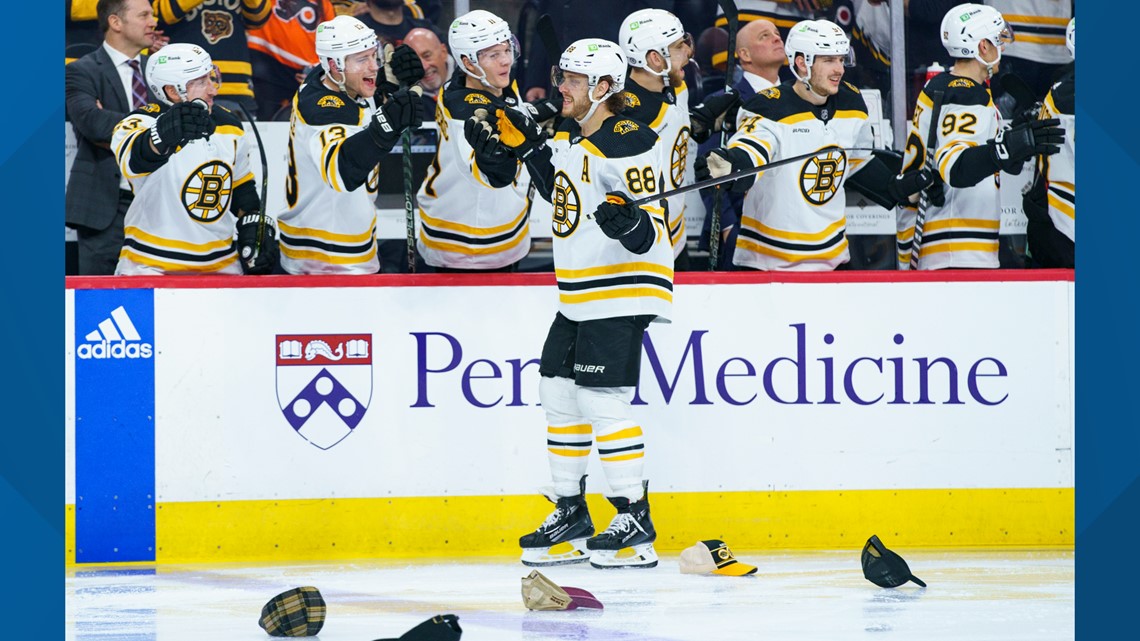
(712, 182)
(409, 209)
(549, 37)
(264, 180)
(928, 163)
(732, 16)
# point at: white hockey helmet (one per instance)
(1071, 37)
(648, 30)
(594, 58)
(341, 37)
(473, 32)
(177, 64)
(811, 38)
(966, 25)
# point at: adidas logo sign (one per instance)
(115, 338)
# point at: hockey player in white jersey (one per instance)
(614, 265)
(473, 209)
(337, 139)
(1051, 203)
(657, 48)
(187, 161)
(968, 147)
(794, 216)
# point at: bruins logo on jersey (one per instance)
(961, 82)
(821, 176)
(625, 126)
(150, 108)
(330, 101)
(679, 158)
(851, 87)
(567, 206)
(476, 99)
(206, 193)
(217, 26)
(771, 92)
(631, 100)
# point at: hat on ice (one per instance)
(540, 593)
(299, 612)
(713, 557)
(885, 568)
(441, 627)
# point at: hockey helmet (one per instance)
(177, 64)
(341, 37)
(648, 30)
(811, 38)
(1071, 37)
(596, 59)
(473, 32)
(966, 25)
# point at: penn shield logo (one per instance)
(116, 338)
(324, 384)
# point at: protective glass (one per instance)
(559, 76)
(497, 54)
(212, 77)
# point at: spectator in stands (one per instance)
(710, 56)
(393, 19)
(102, 87)
(281, 51)
(433, 55)
(760, 56)
(221, 32)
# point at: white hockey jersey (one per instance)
(465, 223)
(1038, 28)
(597, 276)
(963, 233)
(326, 228)
(794, 216)
(181, 220)
(1059, 169)
(668, 116)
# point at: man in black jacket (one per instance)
(101, 89)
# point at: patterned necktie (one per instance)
(138, 89)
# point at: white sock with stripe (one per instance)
(621, 443)
(569, 436)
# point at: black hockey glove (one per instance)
(518, 132)
(542, 110)
(715, 114)
(183, 122)
(483, 139)
(257, 243)
(400, 111)
(723, 161)
(615, 217)
(402, 68)
(1012, 147)
(905, 185)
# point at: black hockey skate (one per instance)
(628, 541)
(561, 539)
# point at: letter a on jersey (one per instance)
(324, 384)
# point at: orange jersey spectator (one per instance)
(290, 32)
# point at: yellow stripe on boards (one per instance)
(458, 526)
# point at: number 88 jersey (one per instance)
(964, 231)
(597, 276)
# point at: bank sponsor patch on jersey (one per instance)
(324, 384)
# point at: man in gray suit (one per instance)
(101, 89)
